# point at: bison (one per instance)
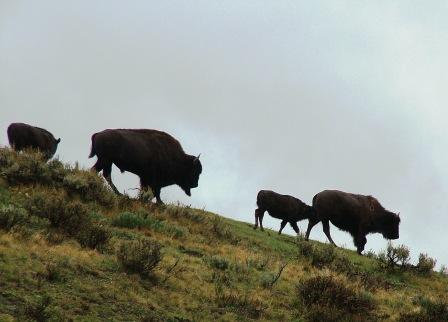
(155, 156)
(22, 136)
(357, 214)
(287, 208)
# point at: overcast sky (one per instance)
(293, 96)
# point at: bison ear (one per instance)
(371, 204)
(58, 140)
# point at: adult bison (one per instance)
(23, 136)
(287, 208)
(155, 156)
(357, 214)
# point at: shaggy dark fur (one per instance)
(287, 208)
(23, 136)
(357, 214)
(155, 156)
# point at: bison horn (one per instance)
(197, 158)
(58, 140)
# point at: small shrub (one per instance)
(222, 231)
(425, 264)
(89, 186)
(370, 254)
(323, 256)
(304, 247)
(129, 220)
(145, 195)
(269, 279)
(11, 215)
(191, 251)
(38, 310)
(53, 272)
(94, 236)
(70, 216)
(259, 263)
(24, 168)
(394, 256)
(429, 311)
(342, 264)
(218, 262)
(139, 256)
(331, 291)
(241, 304)
(181, 211)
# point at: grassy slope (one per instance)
(221, 274)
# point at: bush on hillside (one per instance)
(329, 292)
(31, 167)
(428, 311)
(23, 168)
(394, 257)
(241, 304)
(89, 187)
(139, 256)
(222, 231)
(94, 236)
(425, 264)
(11, 216)
(63, 213)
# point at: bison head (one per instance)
(191, 178)
(389, 224)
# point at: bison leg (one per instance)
(259, 213)
(295, 227)
(156, 192)
(360, 242)
(311, 223)
(107, 173)
(326, 226)
(282, 225)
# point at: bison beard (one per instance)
(156, 157)
(357, 214)
(23, 136)
(287, 208)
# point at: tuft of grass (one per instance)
(132, 220)
(218, 262)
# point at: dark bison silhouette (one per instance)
(357, 214)
(287, 208)
(23, 136)
(155, 156)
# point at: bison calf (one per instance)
(287, 208)
(357, 214)
(155, 156)
(23, 136)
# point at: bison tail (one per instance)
(92, 149)
(92, 153)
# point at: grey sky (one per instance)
(294, 96)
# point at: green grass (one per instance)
(208, 267)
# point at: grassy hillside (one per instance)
(70, 250)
